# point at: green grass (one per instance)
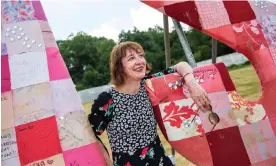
(247, 84)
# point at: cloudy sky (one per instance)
(99, 17)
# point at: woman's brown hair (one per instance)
(115, 61)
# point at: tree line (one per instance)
(87, 57)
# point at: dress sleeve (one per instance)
(100, 113)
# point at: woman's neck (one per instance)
(129, 87)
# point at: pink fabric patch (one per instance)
(212, 14)
(273, 53)
(209, 78)
(39, 12)
(221, 105)
(47, 34)
(5, 74)
(86, 155)
(262, 8)
(259, 141)
(268, 24)
(56, 65)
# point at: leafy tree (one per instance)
(87, 57)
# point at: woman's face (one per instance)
(134, 64)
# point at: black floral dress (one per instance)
(131, 127)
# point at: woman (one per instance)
(126, 112)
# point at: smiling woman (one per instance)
(126, 112)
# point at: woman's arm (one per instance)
(198, 94)
(100, 114)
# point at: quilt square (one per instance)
(32, 103)
(23, 37)
(56, 63)
(263, 58)
(209, 78)
(47, 34)
(74, 130)
(259, 141)
(28, 69)
(228, 141)
(56, 160)
(239, 11)
(10, 14)
(5, 74)
(8, 144)
(65, 96)
(12, 161)
(85, 155)
(249, 36)
(185, 12)
(37, 140)
(245, 112)
(39, 12)
(4, 51)
(221, 105)
(177, 118)
(7, 120)
(268, 24)
(273, 53)
(269, 162)
(262, 8)
(212, 14)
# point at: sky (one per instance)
(99, 17)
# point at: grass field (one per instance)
(247, 84)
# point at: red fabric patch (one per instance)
(249, 37)
(195, 149)
(185, 12)
(5, 74)
(56, 65)
(239, 11)
(38, 140)
(224, 34)
(264, 65)
(225, 76)
(158, 117)
(268, 99)
(227, 147)
(154, 4)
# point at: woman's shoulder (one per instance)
(103, 98)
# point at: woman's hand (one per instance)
(197, 93)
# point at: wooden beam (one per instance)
(167, 41)
(184, 43)
(214, 50)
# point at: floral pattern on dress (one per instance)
(17, 11)
(147, 148)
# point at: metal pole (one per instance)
(167, 55)
(214, 50)
(167, 40)
(184, 43)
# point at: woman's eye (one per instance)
(131, 58)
